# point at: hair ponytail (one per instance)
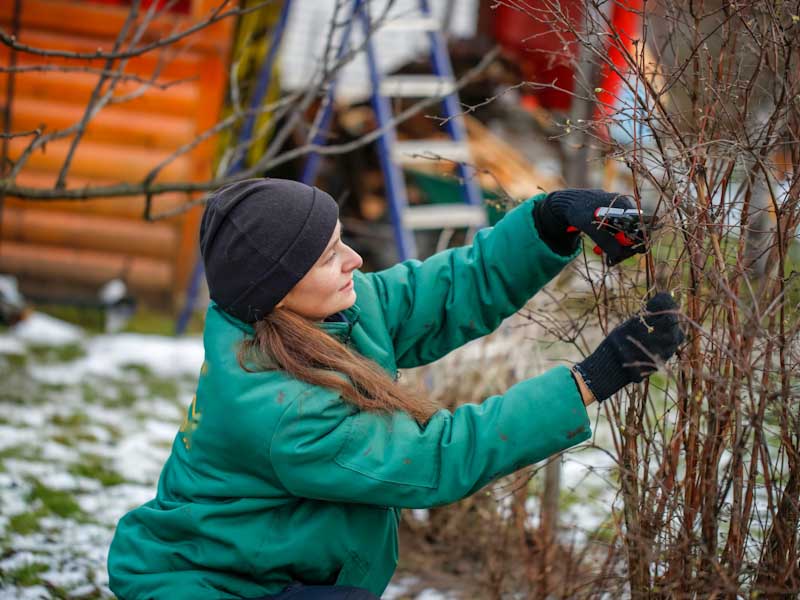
(287, 341)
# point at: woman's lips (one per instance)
(346, 287)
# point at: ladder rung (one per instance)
(424, 151)
(416, 86)
(442, 216)
(411, 24)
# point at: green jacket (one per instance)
(272, 480)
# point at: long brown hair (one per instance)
(287, 341)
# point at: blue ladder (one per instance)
(394, 154)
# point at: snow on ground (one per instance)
(85, 424)
(44, 330)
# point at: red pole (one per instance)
(626, 25)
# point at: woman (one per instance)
(298, 451)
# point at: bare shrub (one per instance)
(704, 132)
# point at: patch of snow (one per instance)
(34, 592)
(66, 373)
(18, 561)
(64, 579)
(165, 411)
(421, 514)
(11, 345)
(25, 415)
(82, 591)
(399, 588)
(107, 354)
(54, 451)
(42, 329)
(139, 457)
(78, 541)
(590, 464)
(12, 495)
(431, 594)
(104, 416)
(161, 432)
(13, 436)
(62, 481)
(109, 504)
(44, 472)
(534, 512)
(100, 433)
(165, 356)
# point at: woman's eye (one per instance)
(333, 255)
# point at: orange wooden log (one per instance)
(50, 228)
(130, 207)
(114, 124)
(175, 65)
(76, 88)
(112, 162)
(184, 65)
(85, 267)
(88, 18)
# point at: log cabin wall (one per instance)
(73, 247)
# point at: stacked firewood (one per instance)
(503, 168)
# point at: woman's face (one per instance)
(327, 288)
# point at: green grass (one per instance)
(13, 361)
(73, 429)
(157, 386)
(13, 391)
(26, 523)
(48, 387)
(77, 419)
(25, 576)
(161, 323)
(90, 394)
(22, 452)
(108, 392)
(163, 388)
(70, 438)
(96, 467)
(141, 371)
(145, 319)
(56, 354)
(90, 319)
(114, 431)
(55, 502)
(124, 395)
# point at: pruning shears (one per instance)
(627, 225)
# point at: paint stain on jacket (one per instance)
(574, 432)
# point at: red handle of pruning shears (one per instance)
(619, 236)
(627, 225)
(596, 249)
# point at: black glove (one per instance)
(576, 208)
(633, 350)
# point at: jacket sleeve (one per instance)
(435, 306)
(324, 449)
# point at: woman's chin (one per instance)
(351, 299)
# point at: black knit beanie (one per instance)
(258, 238)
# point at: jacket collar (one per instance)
(342, 330)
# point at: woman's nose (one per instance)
(354, 260)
